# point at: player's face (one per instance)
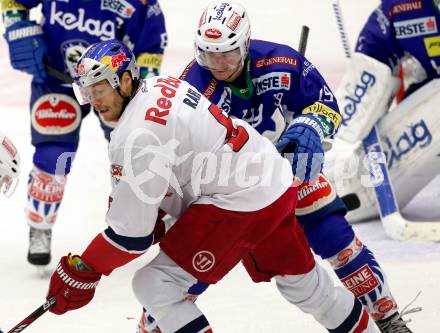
(105, 100)
(224, 66)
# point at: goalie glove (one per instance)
(304, 139)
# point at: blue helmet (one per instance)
(104, 61)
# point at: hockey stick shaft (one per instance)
(290, 148)
(56, 73)
(303, 39)
(33, 316)
(341, 28)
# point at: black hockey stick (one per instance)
(56, 73)
(290, 148)
(33, 316)
(303, 39)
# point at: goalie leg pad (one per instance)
(364, 95)
(410, 136)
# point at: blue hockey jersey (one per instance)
(280, 84)
(397, 27)
(70, 26)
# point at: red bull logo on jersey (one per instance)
(168, 88)
(414, 28)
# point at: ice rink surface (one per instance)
(235, 304)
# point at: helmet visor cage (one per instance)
(97, 91)
(220, 61)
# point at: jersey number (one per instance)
(235, 137)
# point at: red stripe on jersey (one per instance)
(104, 257)
(363, 323)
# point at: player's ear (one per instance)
(126, 83)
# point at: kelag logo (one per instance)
(351, 101)
(70, 21)
(417, 136)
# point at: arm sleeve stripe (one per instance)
(129, 244)
(104, 255)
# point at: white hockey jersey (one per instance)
(172, 148)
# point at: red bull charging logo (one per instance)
(114, 61)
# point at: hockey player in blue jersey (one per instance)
(282, 95)
(49, 51)
(396, 33)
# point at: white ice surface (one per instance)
(235, 304)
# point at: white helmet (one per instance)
(222, 27)
(9, 166)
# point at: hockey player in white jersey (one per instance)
(9, 166)
(228, 187)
